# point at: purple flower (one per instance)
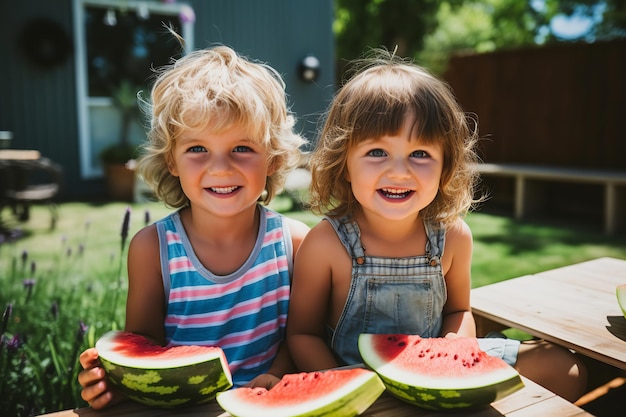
(33, 267)
(6, 316)
(24, 257)
(146, 217)
(14, 344)
(29, 283)
(125, 226)
(187, 14)
(80, 333)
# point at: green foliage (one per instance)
(119, 153)
(431, 31)
(362, 24)
(60, 292)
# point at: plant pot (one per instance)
(120, 182)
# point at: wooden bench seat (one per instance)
(613, 181)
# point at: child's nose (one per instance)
(398, 167)
(219, 165)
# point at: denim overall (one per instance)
(388, 295)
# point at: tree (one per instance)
(362, 24)
(430, 30)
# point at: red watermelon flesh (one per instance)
(346, 392)
(439, 357)
(438, 373)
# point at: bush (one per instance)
(51, 314)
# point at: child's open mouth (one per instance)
(395, 193)
(224, 190)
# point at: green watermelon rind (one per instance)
(350, 400)
(437, 393)
(190, 384)
(447, 399)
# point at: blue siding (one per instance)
(39, 105)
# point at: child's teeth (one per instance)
(223, 190)
(395, 191)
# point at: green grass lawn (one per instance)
(503, 248)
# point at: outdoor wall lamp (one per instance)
(309, 68)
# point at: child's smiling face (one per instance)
(395, 176)
(223, 172)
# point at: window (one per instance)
(118, 44)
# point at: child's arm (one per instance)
(144, 314)
(282, 365)
(310, 300)
(457, 259)
(145, 305)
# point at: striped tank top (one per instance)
(244, 313)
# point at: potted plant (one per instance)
(117, 159)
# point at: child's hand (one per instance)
(96, 390)
(266, 381)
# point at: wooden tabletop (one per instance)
(19, 154)
(532, 400)
(573, 306)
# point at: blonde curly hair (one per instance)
(375, 102)
(217, 87)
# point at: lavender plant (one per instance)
(53, 309)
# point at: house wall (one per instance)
(39, 104)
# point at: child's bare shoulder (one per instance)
(145, 238)
(459, 233)
(323, 237)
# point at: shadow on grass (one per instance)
(533, 235)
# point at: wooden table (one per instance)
(19, 155)
(531, 401)
(574, 306)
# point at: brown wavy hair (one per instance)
(216, 87)
(375, 102)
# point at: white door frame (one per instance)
(89, 169)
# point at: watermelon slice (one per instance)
(162, 376)
(339, 393)
(620, 291)
(438, 373)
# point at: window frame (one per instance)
(84, 103)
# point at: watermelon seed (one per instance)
(456, 357)
(402, 344)
(421, 355)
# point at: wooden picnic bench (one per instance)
(527, 177)
(28, 178)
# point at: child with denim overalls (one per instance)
(393, 175)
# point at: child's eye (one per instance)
(196, 148)
(242, 148)
(419, 154)
(376, 153)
